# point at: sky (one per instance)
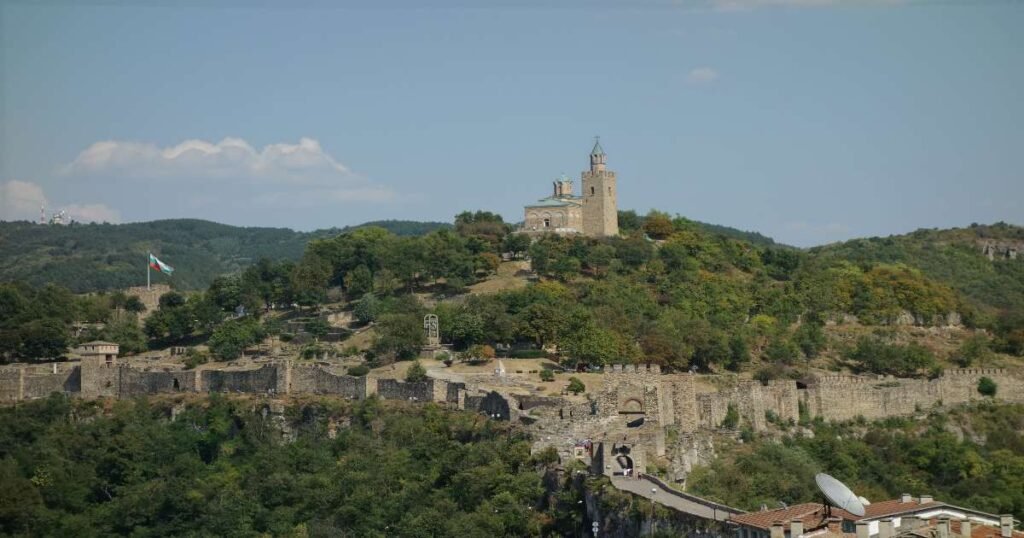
(810, 121)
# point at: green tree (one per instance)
(127, 334)
(400, 335)
(987, 387)
(658, 225)
(517, 244)
(232, 337)
(359, 281)
(367, 309)
(975, 349)
(416, 372)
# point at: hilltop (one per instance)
(976, 260)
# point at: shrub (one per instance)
(880, 357)
(576, 386)
(416, 372)
(358, 370)
(547, 375)
(987, 387)
(194, 357)
(732, 418)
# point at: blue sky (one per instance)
(808, 120)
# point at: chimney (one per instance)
(796, 528)
(965, 528)
(777, 530)
(925, 499)
(863, 529)
(1006, 525)
(905, 498)
(942, 528)
(885, 528)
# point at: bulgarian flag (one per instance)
(159, 265)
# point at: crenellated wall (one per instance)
(848, 397)
(636, 402)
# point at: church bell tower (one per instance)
(600, 207)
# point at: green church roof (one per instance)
(555, 202)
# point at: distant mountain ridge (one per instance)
(94, 257)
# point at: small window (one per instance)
(591, 191)
(609, 191)
(547, 223)
(849, 526)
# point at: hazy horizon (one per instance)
(807, 121)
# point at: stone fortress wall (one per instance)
(633, 410)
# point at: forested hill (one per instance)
(954, 256)
(91, 257)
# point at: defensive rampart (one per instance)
(631, 396)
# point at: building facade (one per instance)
(593, 213)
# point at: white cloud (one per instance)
(702, 75)
(229, 159)
(21, 200)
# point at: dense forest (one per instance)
(668, 292)
(970, 456)
(97, 257)
(223, 467)
(103, 257)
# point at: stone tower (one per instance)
(600, 208)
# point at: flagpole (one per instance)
(147, 272)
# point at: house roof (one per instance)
(977, 531)
(99, 343)
(813, 514)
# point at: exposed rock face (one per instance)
(1001, 250)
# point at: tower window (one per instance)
(591, 191)
(609, 190)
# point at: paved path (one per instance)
(682, 502)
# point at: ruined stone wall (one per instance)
(137, 382)
(393, 389)
(452, 393)
(262, 379)
(10, 383)
(316, 379)
(752, 401)
(99, 378)
(40, 381)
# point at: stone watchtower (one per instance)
(600, 207)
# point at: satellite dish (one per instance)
(837, 494)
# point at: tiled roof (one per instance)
(813, 514)
(977, 530)
(894, 507)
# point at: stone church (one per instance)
(594, 213)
